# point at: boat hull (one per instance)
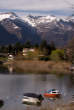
(52, 95)
(32, 101)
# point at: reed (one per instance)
(30, 66)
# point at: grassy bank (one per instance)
(29, 66)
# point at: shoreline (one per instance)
(35, 66)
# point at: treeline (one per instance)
(43, 51)
(69, 51)
(44, 47)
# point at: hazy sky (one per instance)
(57, 7)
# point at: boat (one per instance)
(1, 103)
(53, 93)
(10, 57)
(32, 98)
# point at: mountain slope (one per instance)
(35, 29)
(6, 37)
(15, 26)
(54, 29)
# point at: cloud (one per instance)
(32, 4)
(37, 5)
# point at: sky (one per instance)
(38, 7)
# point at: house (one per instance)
(26, 50)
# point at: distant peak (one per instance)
(10, 15)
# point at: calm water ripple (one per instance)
(12, 88)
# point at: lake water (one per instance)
(12, 88)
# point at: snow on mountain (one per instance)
(7, 21)
(46, 19)
(30, 20)
(35, 20)
(37, 28)
(12, 25)
(7, 15)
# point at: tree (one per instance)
(43, 44)
(57, 55)
(36, 46)
(3, 49)
(10, 49)
(70, 51)
(45, 48)
(28, 44)
(52, 45)
(18, 47)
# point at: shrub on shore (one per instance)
(57, 55)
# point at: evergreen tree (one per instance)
(52, 45)
(18, 47)
(10, 49)
(28, 44)
(70, 51)
(45, 48)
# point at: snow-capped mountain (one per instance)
(7, 21)
(9, 15)
(51, 28)
(36, 28)
(16, 29)
(35, 20)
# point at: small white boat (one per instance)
(53, 93)
(31, 98)
(10, 57)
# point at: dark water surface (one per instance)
(12, 88)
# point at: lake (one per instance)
(12, 88)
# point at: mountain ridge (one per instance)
(37, 28)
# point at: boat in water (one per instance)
(53, 93)
(32, 99)
(1, 103)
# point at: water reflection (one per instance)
(3, 69)
(10, 68)
(32, 104)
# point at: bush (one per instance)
(57, 55)
(45, 58)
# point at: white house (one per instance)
(26, 50)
